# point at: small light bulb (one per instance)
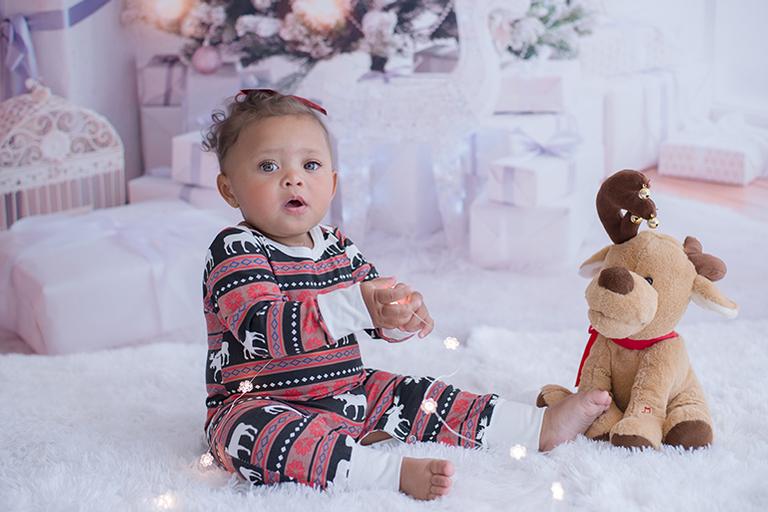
(451, 343)
(245, 386)
(557, 491)
(429, 406)
(206, 460)
(165, 501)
(518, 451)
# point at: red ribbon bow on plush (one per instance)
(311, 104)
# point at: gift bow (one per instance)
(562, 144)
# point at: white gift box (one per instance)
(725, 152)
(208, 93)
(539, 86)
(162, 81)
(107, 278)
(191, 164)
(640, 113)
(436, 59)
(622, 47)
(521, 238)
(535, 181)
(159, 125)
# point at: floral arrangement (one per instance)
(550, 30)
(303, 30)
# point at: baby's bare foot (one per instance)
(571, 416)
(425, 479)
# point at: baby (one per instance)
(289, 399)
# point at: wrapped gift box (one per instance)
(506, 236)
(726, 152)
(162, 85)
(208, 93)
(539, 86)
(159, 188)
(640, 112)
(436, 59)
(191, 164)
(622, 47)
(107, 278)
(535, 181)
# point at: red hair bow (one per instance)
(305, 101)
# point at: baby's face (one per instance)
(281, 173)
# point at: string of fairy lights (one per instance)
(429, 406)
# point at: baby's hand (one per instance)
(386, 302)
(420, 321)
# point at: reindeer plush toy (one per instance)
(641, 286)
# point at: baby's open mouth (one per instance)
(296, 202)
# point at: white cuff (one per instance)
(514, 423)
(396, 335)
(344, 311)
(374, 469)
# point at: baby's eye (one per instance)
(268, 166)
(312, 166)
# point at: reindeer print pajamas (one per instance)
(284, 318)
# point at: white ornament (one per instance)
(206, 460)
(518, 452)
(245, 387)
(451, 343)
(558, 493)
(429, 406)
(165, 501)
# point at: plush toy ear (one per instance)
(706, 295)
(594, 263)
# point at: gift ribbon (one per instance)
(20, 57)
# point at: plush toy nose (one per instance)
(616, 279)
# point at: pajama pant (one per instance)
(266, 440)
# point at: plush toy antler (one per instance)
(629, 191)
(711, 267)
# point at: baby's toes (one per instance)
(441, 481)
(441, 467)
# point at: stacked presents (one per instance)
(541, 157)
(191, 178)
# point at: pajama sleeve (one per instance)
(242, 291)
(363, 271)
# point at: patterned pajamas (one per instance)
(284, 320)
(268, 441)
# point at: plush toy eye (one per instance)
(650, 280)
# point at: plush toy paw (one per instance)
(551, 394)
(635, 432)
(690, 434)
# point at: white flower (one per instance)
(261, 5)
(193, 27)
(218, 16)
(525, 32)
(378, 32)
(262, 26)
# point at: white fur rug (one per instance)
(122, 430)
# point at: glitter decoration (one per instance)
(206, 460)
(557, 491)
(451, 343)
(518, 452)
(429, 406)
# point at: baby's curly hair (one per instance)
(247, 107)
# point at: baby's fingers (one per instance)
(387, 296)
(396, 315)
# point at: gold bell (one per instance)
(635, 219)
(653, 223)
(644, 193)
